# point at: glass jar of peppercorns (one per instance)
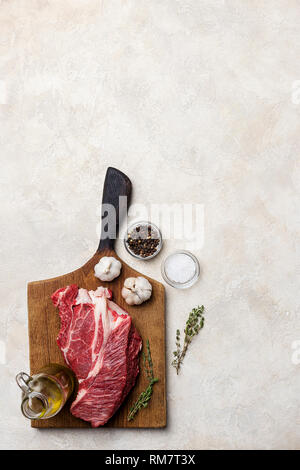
(143, 240)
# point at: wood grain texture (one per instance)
(149, 319)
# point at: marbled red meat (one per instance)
(101, 345)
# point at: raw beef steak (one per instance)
(101, 345)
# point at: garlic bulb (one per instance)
(136, 290)
(108, 268)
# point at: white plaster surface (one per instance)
(197, 101)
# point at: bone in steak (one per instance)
(101, 345)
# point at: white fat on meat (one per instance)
(103, 309)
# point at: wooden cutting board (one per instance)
(149, 319)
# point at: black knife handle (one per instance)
(116, 184)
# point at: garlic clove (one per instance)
(108, 268)
(136, 290)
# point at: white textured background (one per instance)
(194, 100)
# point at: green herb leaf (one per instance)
(194, 324)
(144, 398)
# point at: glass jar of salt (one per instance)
(181, 269)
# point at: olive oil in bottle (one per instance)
(45, 393)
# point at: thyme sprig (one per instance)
(144, 398)
(194, 324)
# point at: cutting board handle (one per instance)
(114, 207)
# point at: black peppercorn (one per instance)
(143, 240)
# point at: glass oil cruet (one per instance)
(46, 392)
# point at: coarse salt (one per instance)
(180, 268)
